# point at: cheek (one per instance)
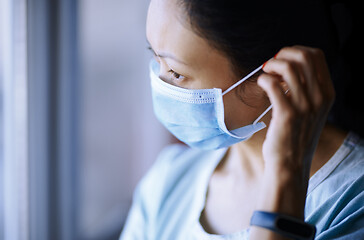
(251, 94)
(242, 109)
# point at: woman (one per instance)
(262, 163)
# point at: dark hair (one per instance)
(251, 32)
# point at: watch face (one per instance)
(294, 227)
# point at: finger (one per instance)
(323, 74)
(291, 75)
(321, 87)
(271, 85)
(304, 59)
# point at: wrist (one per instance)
(289, 176)
(284, 225)
(282, 175)
(284, 193)
(283, 169)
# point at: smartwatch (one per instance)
(284, 225)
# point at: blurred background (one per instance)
(78, 107)
(76, 119)
(119, 135)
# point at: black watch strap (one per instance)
(284, 225)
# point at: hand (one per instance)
(298, 116)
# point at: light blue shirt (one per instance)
(169, 199)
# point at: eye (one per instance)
(176, 76)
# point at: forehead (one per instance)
(167, 32)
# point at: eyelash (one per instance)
(151, 49)
(176, 75)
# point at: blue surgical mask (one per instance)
(196, 116)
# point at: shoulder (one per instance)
(358, 148)
(351, 167)
(343, 172)
(335, 206)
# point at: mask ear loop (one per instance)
(243, 79)
(262, 115)
(266, 111)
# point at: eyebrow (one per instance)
(165, 55)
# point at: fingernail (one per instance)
(264, 64)
(275, 56)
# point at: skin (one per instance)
(270, 171)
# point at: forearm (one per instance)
(283, 192)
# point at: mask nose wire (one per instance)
(242, 80)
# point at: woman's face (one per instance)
(188, 61)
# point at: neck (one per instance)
(247, 156)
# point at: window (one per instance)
(76, 117)
(13, 123)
